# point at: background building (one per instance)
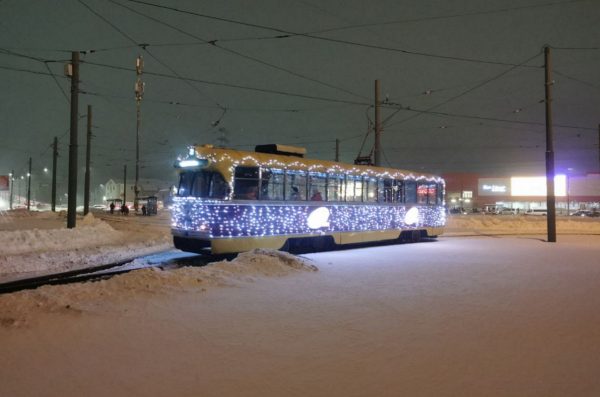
(473, 192)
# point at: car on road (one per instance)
(586, 213)
(507, 211)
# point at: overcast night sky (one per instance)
(463, 80)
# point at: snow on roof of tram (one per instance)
(248, 158)
(285, 150)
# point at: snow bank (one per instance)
(517, 224)
(44, 244)
(29, 241)
(17, 308)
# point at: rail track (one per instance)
(171, 260)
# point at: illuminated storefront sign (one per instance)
(494, 186)
(536, 186)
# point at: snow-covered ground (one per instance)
(490, 309)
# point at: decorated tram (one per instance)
(232, 201)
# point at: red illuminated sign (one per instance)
(4, 182)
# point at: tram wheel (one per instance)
(415, 236)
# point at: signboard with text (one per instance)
(494, 187)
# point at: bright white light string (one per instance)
(212, 218)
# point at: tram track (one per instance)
(106, 271)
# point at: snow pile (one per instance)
(16, 308)
(29, 241)
(500, 224)
(56, 249)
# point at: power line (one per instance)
(222, 84)
(287, 34)
(16, 54)
(465, 116)
(425, 111)
(25, 70)
(57, 83)
(237, 53)
(194, 105)
(587, 83)
(440, 17)
(420, 111)
(146, 50)
(481, 84)
(576, 48)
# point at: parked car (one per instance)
(586, 213)
(507, 211)
(541, 212)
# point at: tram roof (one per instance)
(249, 158)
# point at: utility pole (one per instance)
(550, 198)
(377, 125)
(72, 190)
(139, 94)
(12, 188)
(337, 149)
(124, 185)
(29, 187)
(54, 161)
(88, 150)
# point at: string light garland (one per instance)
(228, 218)
(218, 219)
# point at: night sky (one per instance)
(462, 81)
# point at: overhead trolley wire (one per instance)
(237, 53)
(481, 84)
(146, 50)
(441, 17)
(287, 34)
(230, 85)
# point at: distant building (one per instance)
(148, 187)
(473, 192)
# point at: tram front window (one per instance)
(203, 184)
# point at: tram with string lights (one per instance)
(230, 201)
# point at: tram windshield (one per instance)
(203, 184)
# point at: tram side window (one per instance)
(354, 188)
(218, 186)
(246, 183)
(440, 194)
(370, 190)
(317, 181)
(388, 190)
(335, 187)
(421, 193)
(204, 184)
(295, 187)
(410, 191)
(399, 193)
(186, 179)
(272, 184)
(431, 193)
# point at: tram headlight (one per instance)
(412, 216)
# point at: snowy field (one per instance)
(490, 309)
